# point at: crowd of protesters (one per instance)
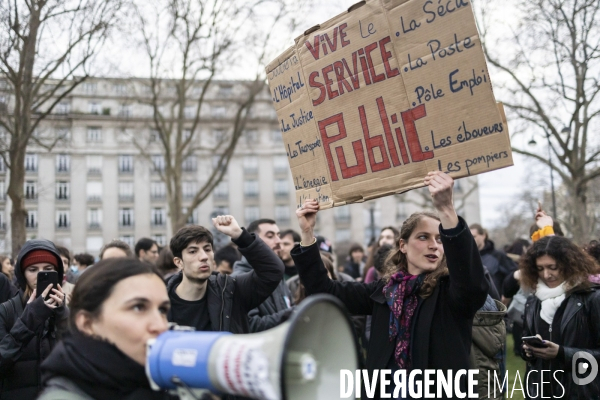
(434, 294)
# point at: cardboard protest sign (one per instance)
(371, 100)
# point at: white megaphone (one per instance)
(299, 360)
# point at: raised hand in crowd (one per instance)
(542, 219)
(307, 218)
(440, 187)
(227, 225)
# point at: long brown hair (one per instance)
(397, 260)
(573, 262)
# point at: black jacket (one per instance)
(27, 333)
(274, 310)
(231, 297)
(82, 367)
(7, 289)
(497, 263)
(577, 330)
(442, 323)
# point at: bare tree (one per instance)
(201, 38)
(46, 47)
(551, 86)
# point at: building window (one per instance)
(186, 134)
(221, 210)
(126, 191)
(250, 164)
(158, 217)
(276, 136)
(189, 189)
(219, 135)
(90, 87)
(30, 190)
(125, 163)
(154, 136)
(94, 218)
(94, 165)
(120, 88)
(343, 235)
(31, 162)
(189, 112)
(31, 219)
(193, 218)
(282, 213)
(94, 107)
(221, 191)
(219, 112)
(63, 163)
(251, 188)
(62, 219)
(225, 91)
(250, 136)
(64, 107)
(281, 188)
(251, 213)
(401, 214)
(129, 239)
(2, 165)
(190, 164)
(161, 240)
(2, 221)
(63, 133)
(2, 190)
(341, 214)
(159, 163)
(94, 191)
(158, 190)
(280, 164)
(125, 217)
(124, 110)
(62, 190)
(94, 134)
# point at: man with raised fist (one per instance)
(209, 301)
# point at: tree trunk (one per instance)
(581, 222)
(18, 213)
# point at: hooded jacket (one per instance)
(497, 263)
(489, 333)
(274, 310)
(27, 332)
(575, 328)
(229, 298)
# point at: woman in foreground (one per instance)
(116, 307)
(423, 308)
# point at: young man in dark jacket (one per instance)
(496, 262)
(209, 301)
(277, 307)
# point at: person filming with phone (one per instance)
(561, 318)
(28, 321)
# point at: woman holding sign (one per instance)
(424, 306)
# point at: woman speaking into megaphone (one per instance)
(423, 307)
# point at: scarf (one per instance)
(99, 369)
(401, 296)
(551, 299)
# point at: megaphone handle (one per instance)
(187, 393)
